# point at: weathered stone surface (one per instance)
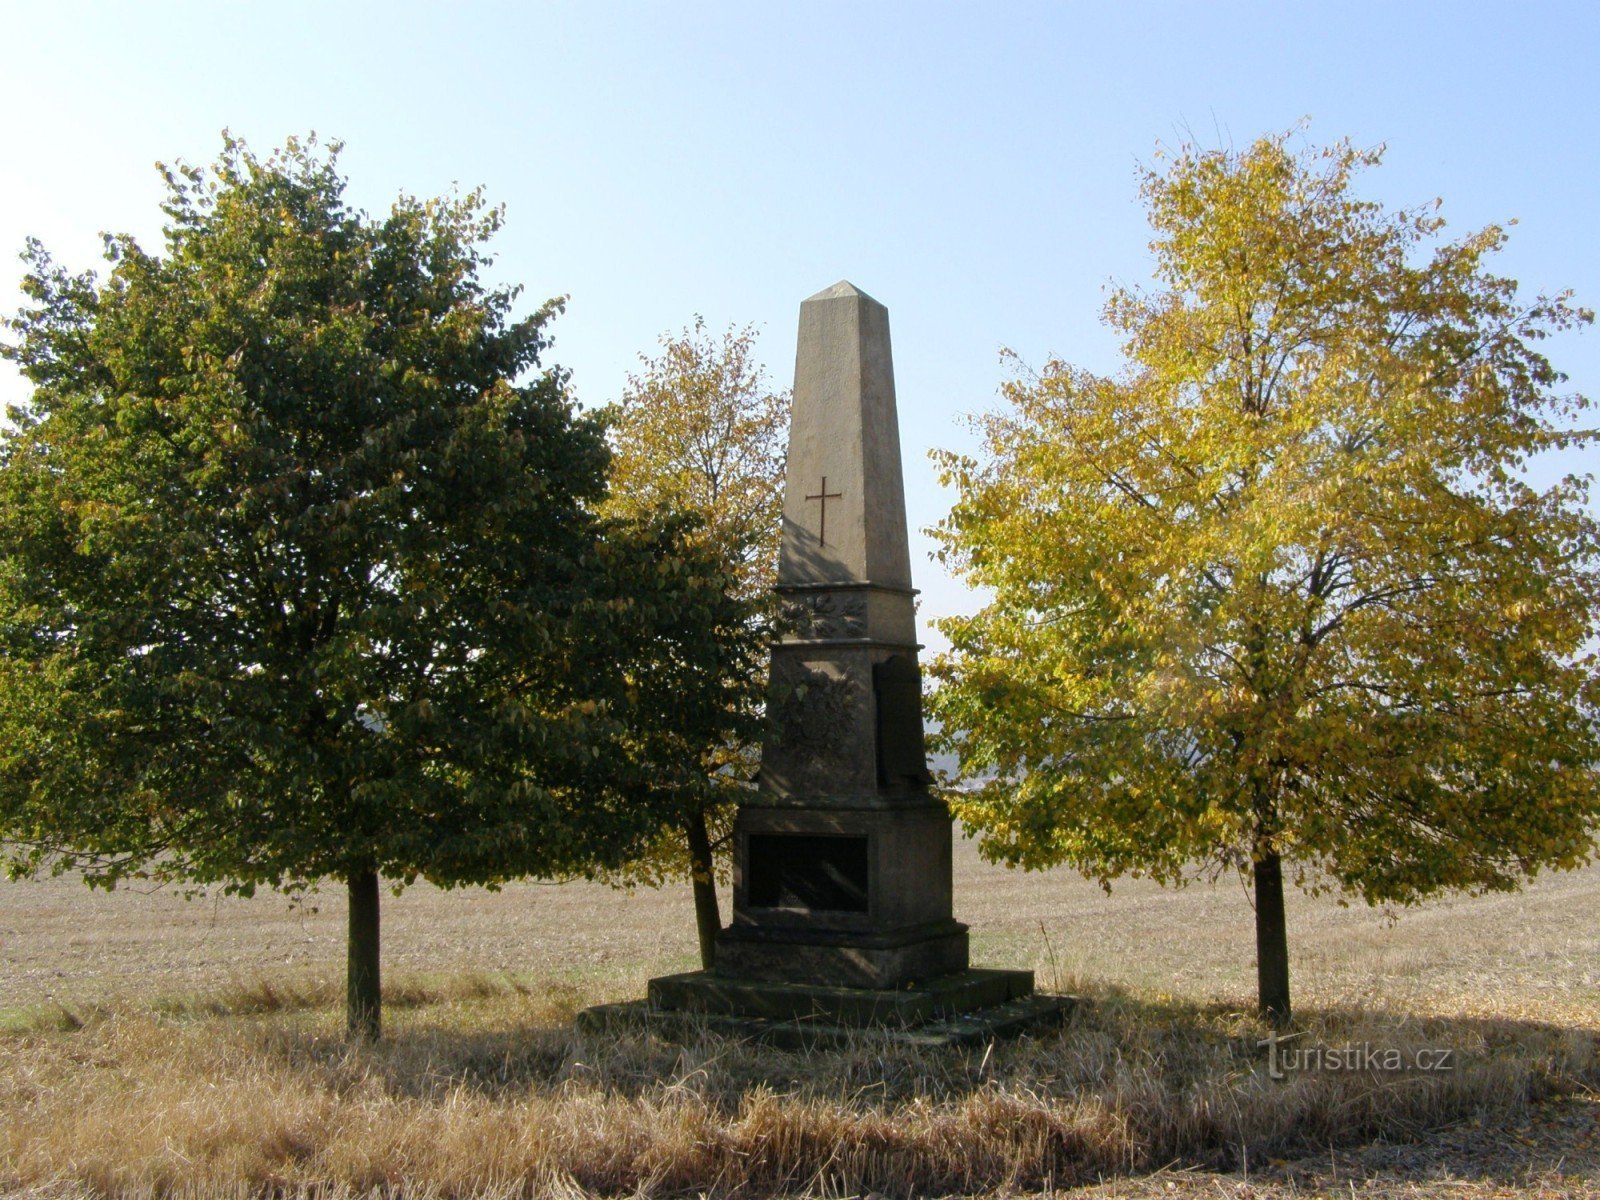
(842, 958)
(842, 861)
(897, 697)
(844, 513)
(945, 996)
(820, 749)
(908, 851)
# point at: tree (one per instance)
(296, 581)
(699, 431)
(1279, 596)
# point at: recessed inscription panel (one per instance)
(812, 873)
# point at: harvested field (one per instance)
(157, 1046)
(1534, 954)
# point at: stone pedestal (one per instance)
(847, 897)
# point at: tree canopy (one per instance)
(700, 432)
(301, 574)
(1281, 592)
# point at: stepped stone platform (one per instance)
(969, 1007)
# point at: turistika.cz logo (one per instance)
(1283, 1060)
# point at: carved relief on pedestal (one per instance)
(825, 616)
(816, 709)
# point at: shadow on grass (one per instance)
(482, 1079)
(1132, 1085)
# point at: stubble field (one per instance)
(151, 1045)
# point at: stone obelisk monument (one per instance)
(842, 880)
(842, 863)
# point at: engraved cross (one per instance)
(822, 524)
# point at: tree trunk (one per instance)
(362, 999)
(1272, 942)
(707, 919)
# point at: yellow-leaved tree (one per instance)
(700, 432)
(1279, 596)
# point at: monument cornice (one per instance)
(847, 585)
(910, 802)
(858, 643)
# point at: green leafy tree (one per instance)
(1279, 596)
(297, 582)
(700, 432)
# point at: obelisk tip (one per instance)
(843, 290)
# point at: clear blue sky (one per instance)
(971, 167)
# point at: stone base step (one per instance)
(942, 996)
(1011, 1018)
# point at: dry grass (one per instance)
(157, 1064)
(483, 1089)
